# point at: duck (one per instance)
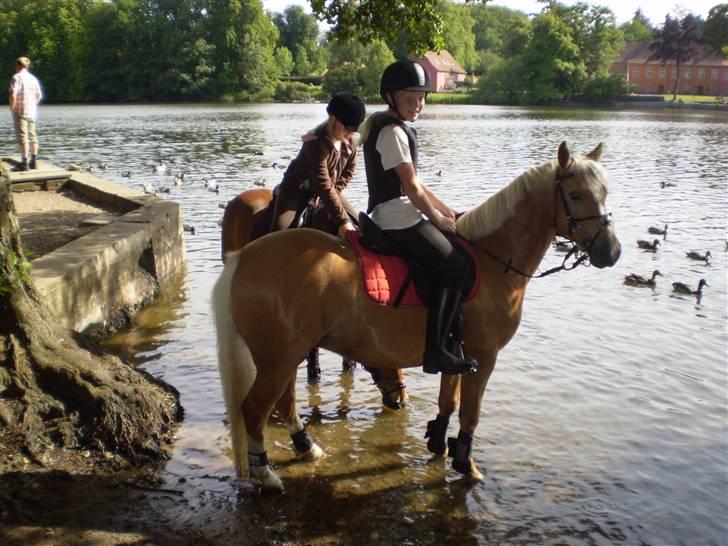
(161, 168)
(439, 173)
(178, 178)
(103, 166)
(164, 190)
(212, 186)
(657, 231)
(667, 184)
(222, 205)
(74, 167)
(638, 280)
(260, 182)
(188, 228)
(648, 245)
(286, 157)
(148, 188)
(126, 174)
(685, 289)
(693, 255)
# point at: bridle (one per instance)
(573, 225)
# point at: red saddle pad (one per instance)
(384, 275)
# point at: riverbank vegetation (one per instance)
(192, 50)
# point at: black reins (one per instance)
(572, 223)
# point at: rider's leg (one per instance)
(431, 248)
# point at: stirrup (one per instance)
(465, 366)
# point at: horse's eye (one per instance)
(574, 195)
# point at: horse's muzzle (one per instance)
(605, 250)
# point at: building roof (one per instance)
(640, 52)
(443, 61)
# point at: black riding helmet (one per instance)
(403, 75)
(348, 109)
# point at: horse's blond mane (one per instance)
(491, 214)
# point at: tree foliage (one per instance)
(715, 30)
(638, 29)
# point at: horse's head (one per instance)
(580, 212)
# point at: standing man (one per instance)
(25, 94)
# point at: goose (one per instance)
(693, 255)
(685, 289)
(188, 228)
(648, 245)
(638, 280)
(212, 186)
(161, 168)
(657, 231)
(667, 184)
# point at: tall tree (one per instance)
(715, 30)
(638, 29)
(299, 33)
(58, 398)
(552, 62)
(458, 34)
(677, 41)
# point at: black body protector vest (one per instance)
(384, 185)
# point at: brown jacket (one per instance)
(320, 169)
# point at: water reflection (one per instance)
(605, 420)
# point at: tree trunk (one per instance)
(59, 396)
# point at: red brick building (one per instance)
(443, 69)
(705, 74)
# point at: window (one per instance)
(661, 73)
(714, 74)
(635, 71)
(701, 74)
(687, 88)
(688, 73)
(650, 71)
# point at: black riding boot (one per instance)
(312, 366)
(22, 166)
(439, 319)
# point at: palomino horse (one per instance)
(264, 297)
(240, 225)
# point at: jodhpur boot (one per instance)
(22, 166)
(439, 319)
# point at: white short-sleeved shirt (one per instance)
(397, 213)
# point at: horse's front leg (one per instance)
(303, 444)
(472, 389)
(447, 402)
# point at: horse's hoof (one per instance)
(270, 482)
(312, 454)
(474, 475)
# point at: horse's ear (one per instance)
(596, 153)
(564, 155)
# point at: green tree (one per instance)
(368, 20)
(458, 34)
(299, 33)
(284, 60)
(377, 57)
(244, 39)
(504, 82)
(715, 30)
(501, 30)
(676, 41)
(344, 77)
(552, 62)
(638, 29)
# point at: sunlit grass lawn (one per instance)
(693, 99)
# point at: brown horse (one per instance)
(263, 301)
(241, 223)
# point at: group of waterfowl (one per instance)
(638, 280)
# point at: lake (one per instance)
(605, 421)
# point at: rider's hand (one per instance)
(443, 223)
(448, 213)
(343, 228)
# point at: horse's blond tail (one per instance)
(237, 369)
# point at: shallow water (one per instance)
(605, 420)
